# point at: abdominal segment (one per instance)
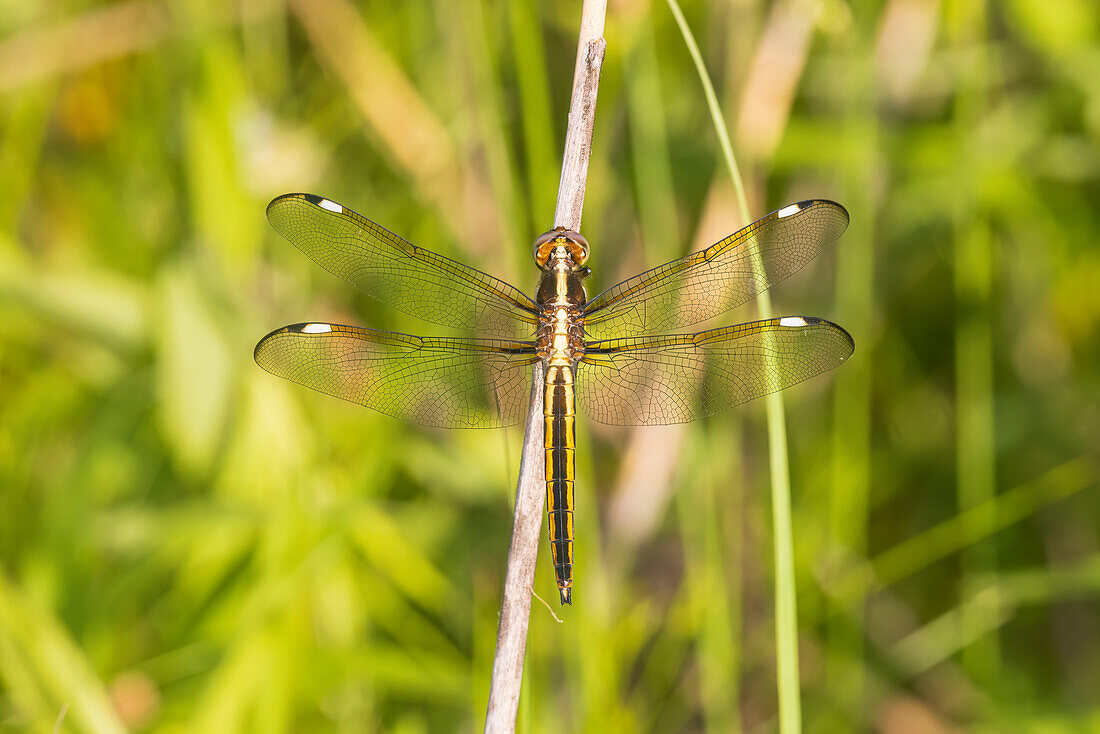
(560, 445)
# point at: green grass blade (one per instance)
(786, 612)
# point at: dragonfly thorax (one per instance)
(561, 300)
(562, 283)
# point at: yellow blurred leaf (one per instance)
(193, 372)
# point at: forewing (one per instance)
(660, 380)
(398, 273)
(442, 382)
(723, 276)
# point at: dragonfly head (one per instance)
(572, 244)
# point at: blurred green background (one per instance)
(190, 544)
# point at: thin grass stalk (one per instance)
(515, 607)
(786, 613)
(492, 135)
(708, 558)
(536, 110)
(846, 679)
(974, 275)
(707, 519)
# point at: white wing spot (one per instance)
(332, 206)
(793, 321)
(788, 211)
(316, 328)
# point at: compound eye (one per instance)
(544, 245)
(578, 248)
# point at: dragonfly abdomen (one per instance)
(560, 447)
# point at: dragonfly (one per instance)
(617, 357)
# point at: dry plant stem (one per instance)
(45, 50)
(515, 606)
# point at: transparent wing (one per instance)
(723, 276)
(442, 382)
(660, 380)
(400, 274)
